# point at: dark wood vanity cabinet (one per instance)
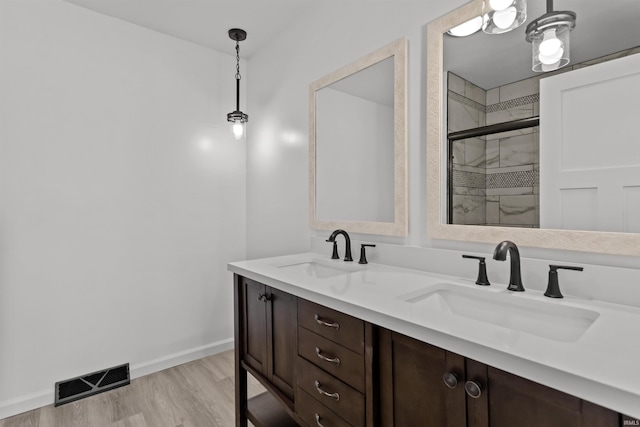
(324, 368)
(422, 385)
(412, 391)
(265, 336)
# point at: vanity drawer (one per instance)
(315, 414)
(343, 400)
(338, 327)
(339, 361)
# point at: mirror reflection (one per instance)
(507, 177)
(357, 145)
(354, 146)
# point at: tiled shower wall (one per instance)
(495, 178)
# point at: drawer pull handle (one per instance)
(335, 395)
(327, 359)
(319, 321)
(318, 420)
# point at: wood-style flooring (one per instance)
(196, 394)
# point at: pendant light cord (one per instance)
(238, 77)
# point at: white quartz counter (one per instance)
(601, 365)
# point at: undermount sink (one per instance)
(321, 269)
(541, 318)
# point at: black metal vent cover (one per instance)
(90, 384)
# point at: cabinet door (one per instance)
(509, 400)
(281, 340)
(412, 389)
(255, 330)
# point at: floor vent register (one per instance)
(90, 384)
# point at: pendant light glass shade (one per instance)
(466, 28)
(551, 49)
(549, 36)
(502, 16)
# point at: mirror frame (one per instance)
(573, 240)
(398, 51)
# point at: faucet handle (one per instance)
(334, 255)
(482, 279)
(363, 253)
(553, 287)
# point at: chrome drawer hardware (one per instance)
(336, 396)
(318, 420)
(327, 359)
(319, 321)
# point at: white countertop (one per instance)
(602, 365)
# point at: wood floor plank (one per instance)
(196, 394)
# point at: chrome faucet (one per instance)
(347, 249)
(500, 254)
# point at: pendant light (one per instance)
(549, 38)
(237, 117)
(503, 15)
(466, 28)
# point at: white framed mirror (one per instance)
(438, 218)
(358, 145)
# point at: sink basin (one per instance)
(321, 269)
(541, 318)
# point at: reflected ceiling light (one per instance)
(504, 15)
(549, 38)
(466, 28)
(237, 117)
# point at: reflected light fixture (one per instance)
(237, 117)
(503, 15)
(549, 38)
(467, 28)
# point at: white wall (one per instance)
(354, 172)
(122, 197)
(336, 34)
(277, 171)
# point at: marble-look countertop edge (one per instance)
(607, 395)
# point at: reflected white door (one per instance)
(590, 148)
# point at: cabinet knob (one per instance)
(473, 389)
(450, 379)
(264, 297)
(318, 420)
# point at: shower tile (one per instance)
(520, 88)
(493, 96)
(493, 211)
(461, 116)
(458, 152)
(474, 92)
(474, 152)
(501, 116)
(493, 154)
(518, 210)
(456, 83)
(518, 150)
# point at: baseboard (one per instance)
(36, 400)
(175, 359)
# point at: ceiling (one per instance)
(602, 27)
(487, 60)
(206, 22)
